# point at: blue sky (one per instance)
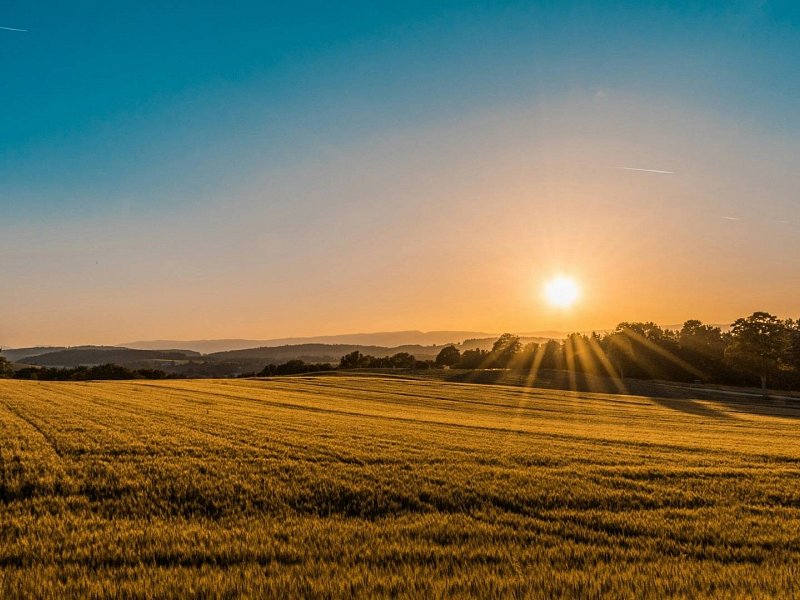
(113, 118)
(150, 103)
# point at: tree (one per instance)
(448, 357)
(794, 336)
(528, 357)
(552, 355)
(760, 345)
(649, 330)
(702, 346)
(645, 350)
(473, 359)
(504, 350)
(619, 349)
(704, 339)
(402, 360)
(353, 360)
(5, 367)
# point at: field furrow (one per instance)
(380, 486)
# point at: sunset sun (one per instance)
(561, 292)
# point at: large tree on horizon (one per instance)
(504, 350)
(760, 345)
(448, 357)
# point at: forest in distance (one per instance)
(759, 349)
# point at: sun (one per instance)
(561, 291)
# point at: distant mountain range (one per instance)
(193, 364)
(97, 355)
(221, 358)
(244, 358)
(389, 339)
(20, 354)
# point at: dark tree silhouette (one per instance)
(473, 359)
(760, 344)
(354, 360)
(702, 346)
(449, 356)
(504, 350)
(5, 367)
(793, 326)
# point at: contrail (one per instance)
(732, 218)
(646, 170)
(14, 29)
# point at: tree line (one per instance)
(757, 348)
(353, 360)
(107, 371)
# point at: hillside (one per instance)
(321, 352)
(20, 354)
(392, 487)
(386, 339)
(95, 355)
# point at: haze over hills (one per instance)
(385, 339)
(390, 339)
(98, 355)
(20, 354)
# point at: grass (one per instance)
(377, 486)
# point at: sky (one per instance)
(197, 170)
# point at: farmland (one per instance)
(384, 486)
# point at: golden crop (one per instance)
(379, 486)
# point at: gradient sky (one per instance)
(259, 169)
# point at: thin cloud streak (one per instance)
(14, 29)
(647, 170)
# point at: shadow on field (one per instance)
(687, 399)
(692, 407)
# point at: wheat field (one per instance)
(383, 486)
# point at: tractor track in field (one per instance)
(48, 438)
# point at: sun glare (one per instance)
(561, 292)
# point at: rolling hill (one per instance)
(327, 487)
(20, 354)
(97, 355)
(386, 339)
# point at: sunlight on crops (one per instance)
(320, 486)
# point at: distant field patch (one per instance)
(378, 486)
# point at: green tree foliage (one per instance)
(473, 359)
(760, 344)
(702, 340)
(645, 350)
(449, 356)
(504, 350)
(293, 367)
(793, 327)
(703, 346)
(5, 367)
(527, 357)
(401, 360)
(109, 371)
(354, 360)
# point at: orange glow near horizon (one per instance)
(414, 230)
